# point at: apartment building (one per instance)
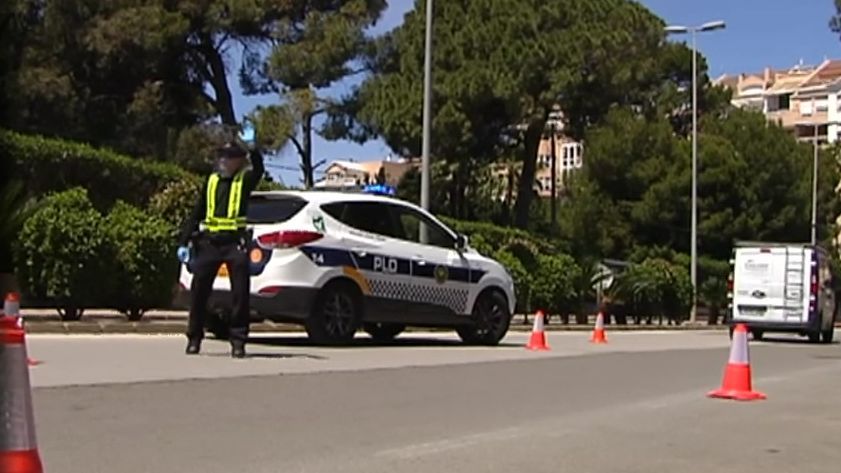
(347, 175)
(569, 158)
(803, 99)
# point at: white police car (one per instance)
(337, 262)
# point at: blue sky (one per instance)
(759, 33)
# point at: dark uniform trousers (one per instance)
(207, 259)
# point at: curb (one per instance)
(179, 327)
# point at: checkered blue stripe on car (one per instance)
(455, 299)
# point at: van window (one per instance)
(273, 209)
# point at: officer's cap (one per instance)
(231, 149)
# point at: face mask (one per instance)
(228, 167)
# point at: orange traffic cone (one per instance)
(737, 378)
(11, 307)
(598, 332)
(538, 336)
(18, 448)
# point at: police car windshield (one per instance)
(275, 209)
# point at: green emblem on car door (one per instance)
(318, 223)
(441, 274)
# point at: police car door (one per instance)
(369, 235)
(440, 274)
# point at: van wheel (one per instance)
(758, 334)
(335, 316)
(827, 335)
(815, 337)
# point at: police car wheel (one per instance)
(335, 316)
(383, 332)
(491, 319)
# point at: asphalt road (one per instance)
(637, 404)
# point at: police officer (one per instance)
(220, 215)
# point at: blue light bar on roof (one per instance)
(379, 189)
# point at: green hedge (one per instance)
(144, 268)
(51, 165)
(544, 276)
(655, 287)
(69, 255)
(175, 202)
(555, 284)
(487, 236)
(63, 256)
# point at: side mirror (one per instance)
(461, 242)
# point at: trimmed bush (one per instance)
(52, 165)
(544, 277)
(146, 270)
(522, 278)
(175, 202)
(654, 287)
(555, 284)
(62, 255)
(496, 237)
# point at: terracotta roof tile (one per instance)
(829, 72)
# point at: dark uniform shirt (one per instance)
(223, 189)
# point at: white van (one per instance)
(782, 287)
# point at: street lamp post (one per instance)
(815, 189)
(427, 115)
(709, 26)
(814, 222)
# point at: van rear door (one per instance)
(768, 284)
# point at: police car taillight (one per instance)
(287, 239)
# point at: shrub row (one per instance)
(72, 256)
(52, 165)
(548, 279)
(544, 277)
(653, 288)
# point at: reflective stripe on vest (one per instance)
(233, 221)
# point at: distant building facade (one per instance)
(348, 175)
(802, 99)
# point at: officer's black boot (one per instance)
(238, 350)
(193, 346)
(239, 336)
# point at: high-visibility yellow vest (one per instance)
(233, 221)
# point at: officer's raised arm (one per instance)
(258, 168)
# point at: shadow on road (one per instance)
(782, 340)
(274, 356)
(361, 342)
(827, 357)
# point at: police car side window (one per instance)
(370, 217)
(411, 221)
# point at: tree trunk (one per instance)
(525, 190)
(461, 189)
(218, 79)
(715, 313)
(509, 194)
(306, 158)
